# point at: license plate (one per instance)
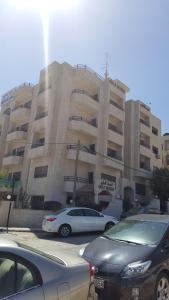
(99, 283)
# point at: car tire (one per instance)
(65, 230)
(109, 225)
(162, 287)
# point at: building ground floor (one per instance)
(97, 182)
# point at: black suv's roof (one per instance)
(150, 217)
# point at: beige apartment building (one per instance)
(142, 148)
(41, 125)
(165, 150)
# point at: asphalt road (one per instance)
(71, 245)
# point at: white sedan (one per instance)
(77, 219)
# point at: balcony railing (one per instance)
(15, 154)
(94, 97)
(41, 115)
(113, 154)
(114, 128)
(92, 122)
(18, 129)
(78, 179)
(84, 67)
(82, 148)
(9, 95)
(144, 166)
(116, 104)
(144, 122)
(37, 144)
(145, 144)
(22, 106)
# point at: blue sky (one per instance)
(135, 33)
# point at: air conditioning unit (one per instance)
(158, 156)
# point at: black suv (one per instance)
(131, 259)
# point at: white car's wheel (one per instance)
(65, 230)
(109, 225)
(162, 287)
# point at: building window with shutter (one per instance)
(41, 172)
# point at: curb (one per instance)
(28, 230)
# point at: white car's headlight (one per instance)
(136, 269)
(81, 251)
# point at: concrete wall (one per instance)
(21, 217)
(114, 208)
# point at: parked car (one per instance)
(77, 219)
(29, 274)
(140, 210)
(131, 259)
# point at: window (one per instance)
(18, 152)
(41, 172)
(154, 130)
(16, 275)
(140, 189)
(7, 277)
(155, 150)
(16, 176)
(24, 127)
(75, 213)
(90, 177)
(28, 104)
(111, 153)
(166, 145)
(92, 148)
(167, 160)
(37, 202)
(91, 213)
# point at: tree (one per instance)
(3, 175)
(160, 186)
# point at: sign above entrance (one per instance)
(107, 183)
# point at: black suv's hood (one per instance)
(116, 253)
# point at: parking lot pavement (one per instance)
(72, 244)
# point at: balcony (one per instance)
(146, 123)
(115, 137)
(21, 93)
(82, 97)
(17, 135)
(117, 112)
(37, 150)
(85, 154)
(44, 98)
(69, 183)
(12, 160)
(144, 166)
(83, 125)
(114, 159)
(145, 148)
(40, 122)
(20, 114)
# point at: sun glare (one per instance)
(46, 5)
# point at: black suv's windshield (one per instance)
(135, 231)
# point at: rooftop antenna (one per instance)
(107, 65)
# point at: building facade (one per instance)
(165, 150)
(142, 149)
(72, 120)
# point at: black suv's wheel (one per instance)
(109, 225)
(65, 230)
(162, 287)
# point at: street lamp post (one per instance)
(9, 198)
(9, 211)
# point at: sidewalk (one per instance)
(20, 229)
